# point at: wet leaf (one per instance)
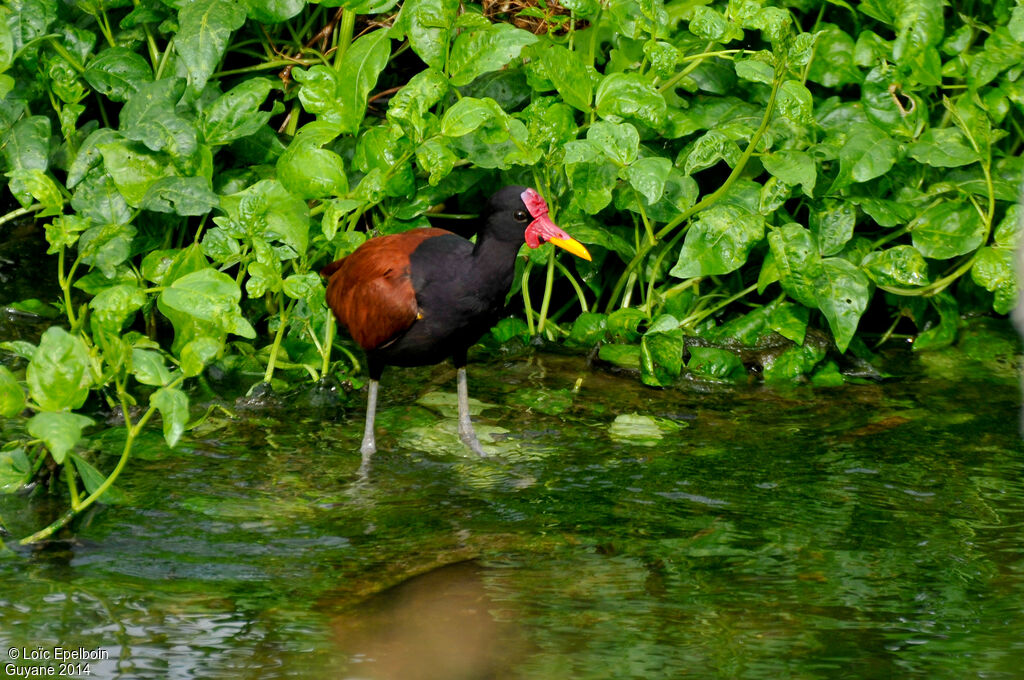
(117, 72)
(12, 396)
(480, 51)
(948, 229)
(943, 148)
(713, 363)
(205, 26)
(661, 352)
(60, 431)
(59, 375)
(173, 406)
(897, 266)
(235, 114)
(15, 470)
(994, 271)
(842, 292)
(718, 242)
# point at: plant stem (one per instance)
(525, 290)
(133, 432)
(549, 282)
(574, 283)
(706, 201)
(277, 341)
(15, 214)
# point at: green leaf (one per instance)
(790, 321)
(12, 397)
(797, 262)
(269, 210)
(273, 11)
(897, 266)
(618, 141)
(708, 149)
(708, 24)
(755, 71)
(1009, 229)
(148, 367)
(661, 352)
(235, 114)
(867, 153)
(134, 168)
(149, 117)
(588, 329)
(15, 470)
(428, 24)
(994, 270)
(173, 406)
(410, 105)
(106, 246)
(304, 287)
(186, 196)
(943, 333)
(718, 242)
(843, 292)
(793, 168)
(833, 225)
(483, 50)
(309, 171)
(117, 73)
(623, 356)
(793, 364)
(571, 79)
(199, 352)
(628, 96)
(715, 364)
(211, 296)
(943, 148)
(948, 229)
(357, 75)
(466, 115)
(648, 176)
(60, 373)
(27, 145)
(436, 157)
(794, 102)
(114, 305)
(93, 479)
(205, 26)
(60, 431)
(35, 186)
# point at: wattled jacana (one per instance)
(419, 297)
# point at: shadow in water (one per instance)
(436, 626)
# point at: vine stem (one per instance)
(133, 432)
(15, 214)
(549, 281)
(276, 347)
(703, 203)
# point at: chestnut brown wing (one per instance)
(371, 292)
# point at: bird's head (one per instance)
(526, 209)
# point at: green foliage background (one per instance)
(739, 169)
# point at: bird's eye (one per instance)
(521, 215)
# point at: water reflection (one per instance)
(869, 531)
(437, 626)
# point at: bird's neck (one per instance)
(495, 260)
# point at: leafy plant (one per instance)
(740, 169)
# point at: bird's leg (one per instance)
(369, 446)
(466, 431)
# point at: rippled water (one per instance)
(873, 530)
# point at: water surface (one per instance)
(872, 530)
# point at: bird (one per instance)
(419, 297)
